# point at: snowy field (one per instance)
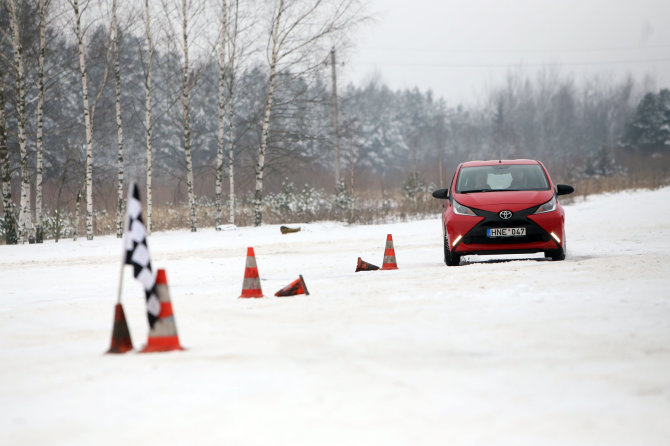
(520, 352)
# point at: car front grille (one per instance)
(478, 235)
(534, 233)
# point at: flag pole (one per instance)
(118, 301)
(123, 252)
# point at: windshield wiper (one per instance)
(475, 190)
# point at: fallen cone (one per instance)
(365, 266)
(163, 335)
(287, 230)
(251, 286)
(294, 288)
(389, 255)
(121, 341)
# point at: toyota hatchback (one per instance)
(502, 207)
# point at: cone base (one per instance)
(162, 344)
(253, 294)
(304, 285)
(119, 349)
(295, 288)
(385, 267)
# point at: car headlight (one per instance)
(547, 207)
(459, 209)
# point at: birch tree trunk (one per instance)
(218, 193)
(119, 125)
(76, 215)
(187, 124)
(8, 221)
(336, 125)
(231, 114)
(147, 111)
(89, 126)
(260, 164)
(25, 226)
(39, 231)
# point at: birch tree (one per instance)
(218, 192)
(39, 232)
(226, 106)
(147, 109)
(232, 61)
(187, 118)
(297, 32)
(119, 124)
(25, 224)
(87, 122)
(187, 9)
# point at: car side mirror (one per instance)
(564, 189)
(441, 193)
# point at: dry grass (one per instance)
(592, 186)
(371, 206)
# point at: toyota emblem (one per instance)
(505, 215)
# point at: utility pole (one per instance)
(336, 127)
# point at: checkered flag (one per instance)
(137, 251)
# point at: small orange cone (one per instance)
(121, 341)
(163, 335)
(296, 287)
(251, 286)
(365, 266)
(389, 255)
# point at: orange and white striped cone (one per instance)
(251, 286)
(121, 341)
(389, 254)
(163, 335)
(365, 266)
(294, 288)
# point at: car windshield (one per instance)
(501, 177)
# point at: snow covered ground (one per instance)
(522, 352)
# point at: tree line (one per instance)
(186, 94)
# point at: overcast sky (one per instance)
(460, 48)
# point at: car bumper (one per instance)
(467, 235)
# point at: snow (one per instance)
(518, 352)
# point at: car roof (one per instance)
(498, 162)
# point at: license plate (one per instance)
(505, 232)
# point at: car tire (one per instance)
(450, 258)
(558, 254)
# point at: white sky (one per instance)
(460, 48)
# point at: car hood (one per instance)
(497, 201)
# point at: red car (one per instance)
(502, 207)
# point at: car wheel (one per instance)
(450, 258)
(558, 254)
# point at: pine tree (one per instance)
(650, 127)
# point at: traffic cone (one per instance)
(365, 266)
(163, 335)
(121, 341)
(389, 255)
(296, 287)
(251, 286)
